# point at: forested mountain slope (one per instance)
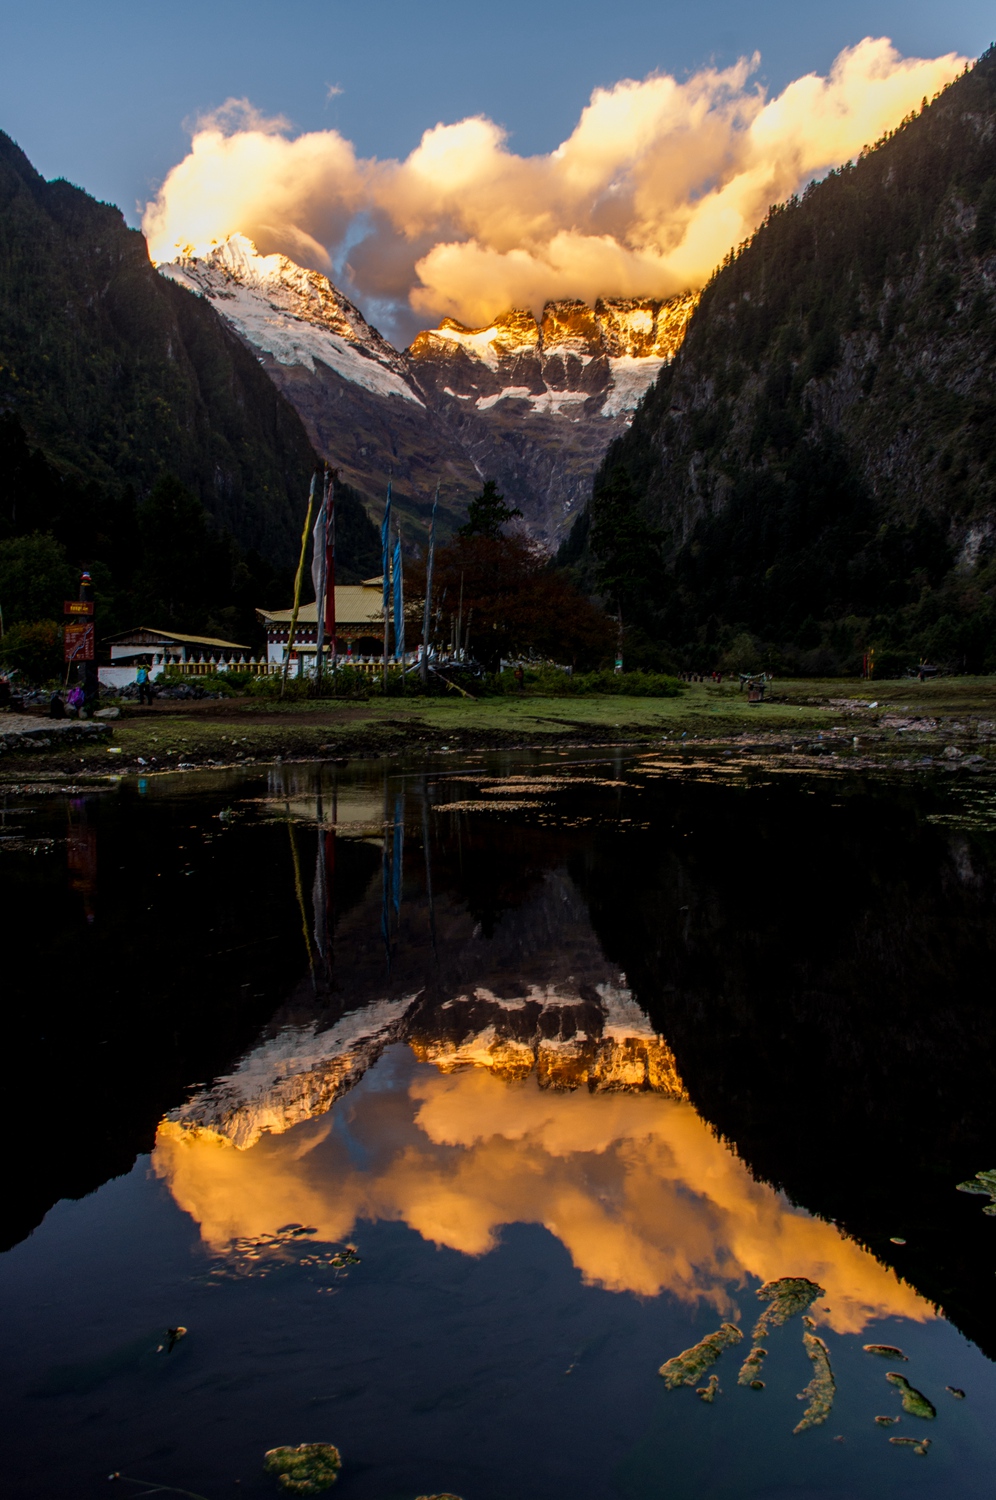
(114, 376)
(817, 468)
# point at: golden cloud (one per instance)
(636, 1187)
(657, 181)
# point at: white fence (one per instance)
(301, 666)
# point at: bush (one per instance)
(213, 682)
(550, 682)
(34, 650)
(345, 682)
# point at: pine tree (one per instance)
(488, 513)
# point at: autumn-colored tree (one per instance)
(514, 604)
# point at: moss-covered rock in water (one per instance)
(887, 1351)
(308, 1469)
(820, 1390)
(710, 1391)
(919, 1445)
(983, 1183)
(750, 1370)
(887, 1421)
(785, 1297)
(913, 1401)
(687, 1368)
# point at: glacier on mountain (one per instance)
(294, 315)
(531, 402)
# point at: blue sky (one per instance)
(100, 92)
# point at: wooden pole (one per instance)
(459, 630)
(322, 605)
(385, 559)
(427, 614)
(297, 580)
(386, 630)
(330, 619)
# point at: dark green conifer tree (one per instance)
(487, 513)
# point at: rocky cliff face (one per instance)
(532, 404)
(577, 361)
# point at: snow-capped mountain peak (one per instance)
(601, 358)
(294, 315)
(530, 402)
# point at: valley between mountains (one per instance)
(532, 403)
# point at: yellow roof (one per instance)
(355, 604)
(166, 636)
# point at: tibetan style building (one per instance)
(358, 620)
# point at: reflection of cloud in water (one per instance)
(636, 1187)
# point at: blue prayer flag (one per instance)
(399, 603)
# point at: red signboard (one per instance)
(78, 643)
(78, 607)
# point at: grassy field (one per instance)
(797, 711)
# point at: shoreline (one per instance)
(948, 724)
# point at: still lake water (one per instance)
(440, 1130)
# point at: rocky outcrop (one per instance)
(20, 732)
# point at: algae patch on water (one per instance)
(750, 1370)
(786, 1297)
(308, 1469)
(821, 1389)
(919, 1445)
(983, 1183)
(914, 1401)
(690, 1366)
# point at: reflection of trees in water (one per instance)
(824, 976)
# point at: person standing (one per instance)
(144, 680)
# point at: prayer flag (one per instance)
(399, 603)
(385, 548)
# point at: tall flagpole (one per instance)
(297, 580)
(321, 563)
(427, 614)
(398, 582)
(385, 550)
(330, 567)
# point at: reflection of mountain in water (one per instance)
(532, 1089)
(550, 1004)
(822, 965)
(641, 1193)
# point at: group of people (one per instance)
(74, 699)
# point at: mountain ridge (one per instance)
(813, 475)
(116, 376)
(530, 402)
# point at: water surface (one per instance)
(440, 1128)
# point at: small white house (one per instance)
(163, 648)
